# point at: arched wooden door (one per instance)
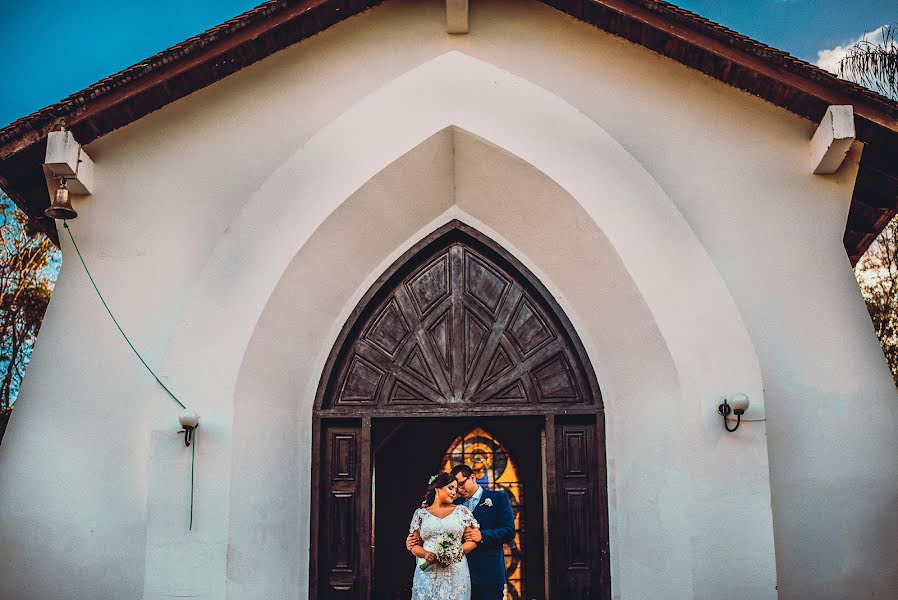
(457, 327)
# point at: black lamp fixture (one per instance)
(736, 404)
(189, 420)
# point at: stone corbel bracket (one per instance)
(66, 159)
(832, 140)
(457, 16)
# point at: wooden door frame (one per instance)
(361, 416)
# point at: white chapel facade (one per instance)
(567, 231)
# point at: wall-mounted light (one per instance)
(737, 404)
(189, 420)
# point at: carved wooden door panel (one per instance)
(460, 329)
(342, 567)
(579, 541)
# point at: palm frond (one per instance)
(874, 64)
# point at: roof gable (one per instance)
(668, 30)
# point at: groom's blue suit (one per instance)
(487, 561)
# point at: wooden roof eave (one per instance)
(772, 75)
(659, 26)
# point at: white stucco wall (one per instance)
(674, 218)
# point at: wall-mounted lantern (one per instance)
(189, 420)
(737, 404)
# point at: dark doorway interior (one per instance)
(407, 451)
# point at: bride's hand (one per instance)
(472, 534)
(431, 558)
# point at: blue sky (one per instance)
(101, 37)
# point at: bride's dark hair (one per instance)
(437, 481)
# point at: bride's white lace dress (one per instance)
(442, 583)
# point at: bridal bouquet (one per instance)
(448, 550)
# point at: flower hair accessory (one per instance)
(431, 480)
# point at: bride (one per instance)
(437, 517)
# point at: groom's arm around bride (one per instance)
(495, 508)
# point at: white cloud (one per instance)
(829, 58)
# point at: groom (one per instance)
(493, 512)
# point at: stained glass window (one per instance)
(494, 469)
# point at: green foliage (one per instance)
(28, 268)
(873, 63)
(877, 276)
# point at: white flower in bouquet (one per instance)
(448, 550)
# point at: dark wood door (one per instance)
(579, 521)
(343, 523)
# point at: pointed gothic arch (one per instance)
(457, 327)
(457, 321)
